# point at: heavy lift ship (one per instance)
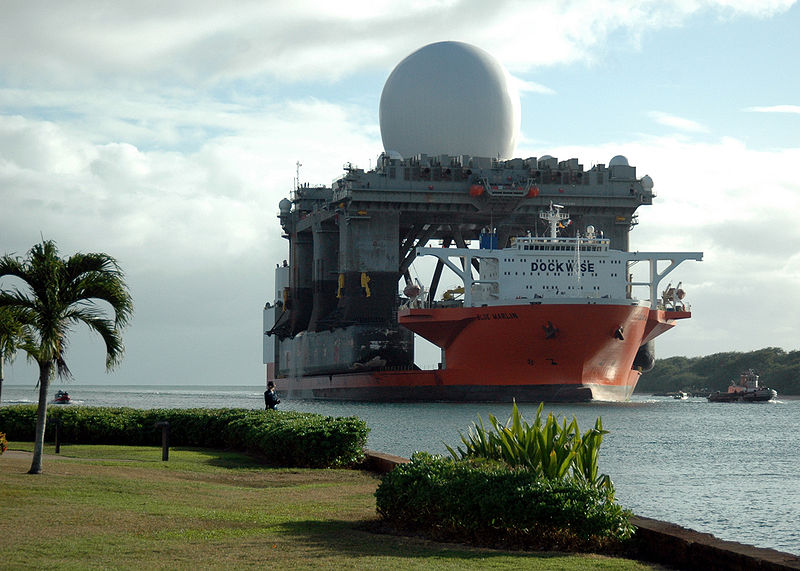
(338, 328)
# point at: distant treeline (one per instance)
(777, 369)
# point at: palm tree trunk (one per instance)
(1, 378)
(41, 417)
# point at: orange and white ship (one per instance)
(549, 318)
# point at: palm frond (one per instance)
(59, 293)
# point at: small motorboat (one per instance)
(62, 397)
(681, 395)
(747, 390)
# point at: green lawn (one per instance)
(122, 507)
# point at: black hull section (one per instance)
(441, 393)
(354, 349)
(725, 397)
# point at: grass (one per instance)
(122, 507)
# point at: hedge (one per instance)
(285, 438)
(488, 503)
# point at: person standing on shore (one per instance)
(271, 400)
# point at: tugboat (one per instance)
(62, 397)
(746, 391)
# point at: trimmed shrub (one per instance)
(286, 438)
(488, 503)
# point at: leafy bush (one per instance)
(520, 484)
(285, 438)
(547, 449)
(487, 503)
(3, 443)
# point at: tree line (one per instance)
(778, 369)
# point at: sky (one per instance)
(166, 133)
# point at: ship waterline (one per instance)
(559, 352)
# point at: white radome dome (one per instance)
(449, 98)
(618, 160)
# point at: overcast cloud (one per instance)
(165, 133)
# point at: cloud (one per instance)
(194, 228)
(765, 9)
(53, 176)
(166, 133)
(203, 43)
(736, 204)
(679, 123)
(524, 86)
(775, 109)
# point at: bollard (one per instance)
(164, 425)
(57, 425)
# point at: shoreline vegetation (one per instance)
(121, 506)
(700, 376)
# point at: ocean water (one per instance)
(728, 469)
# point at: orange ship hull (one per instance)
(532, 352)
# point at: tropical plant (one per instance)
(488, 503)
(55, 295)
(13, 336)
(551, 450)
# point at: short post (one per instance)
(164, 425)
(57, 425)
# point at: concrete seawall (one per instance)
(666, 543)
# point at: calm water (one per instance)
(728, 469)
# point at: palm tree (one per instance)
(60, 293)
(12, 338)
